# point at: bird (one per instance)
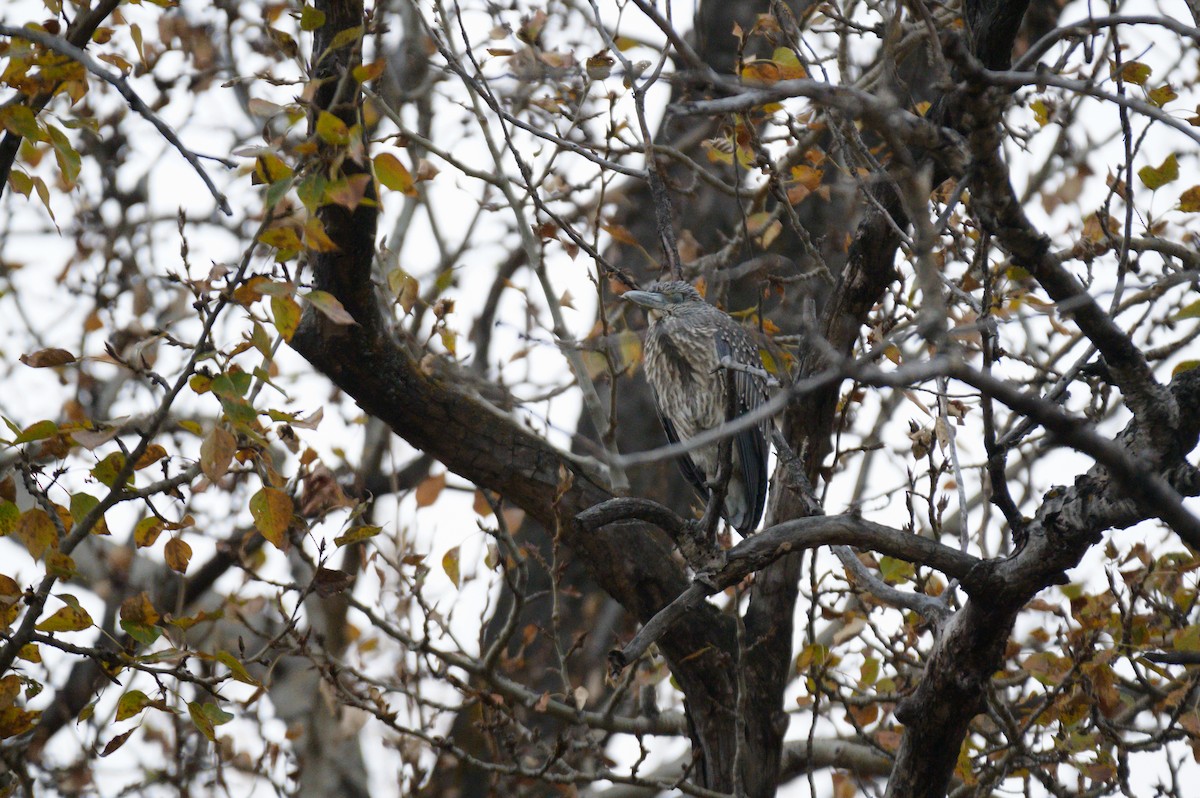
(686, 343)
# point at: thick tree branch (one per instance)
(767, 547)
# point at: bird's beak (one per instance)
(647, 299)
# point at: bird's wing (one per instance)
(751, 444)
(689, 469)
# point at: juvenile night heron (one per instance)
(687, 341)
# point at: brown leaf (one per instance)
(321, 493)
(216, 453)
(177, 554)
(154, 452)
(328, 582)
(481, 505)
(429, 489)
(46, 358)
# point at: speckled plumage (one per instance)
(685, 345)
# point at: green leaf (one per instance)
(60, 565)
(143, 633)
(206, 716)
(81, 505)
(1188, 639)
(894, 570)
(1155, 177)
(234, 383)
(66, 155)
(870, 671)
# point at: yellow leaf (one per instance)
(356, 535)
(1135, 72)
(770, 233)
(272, 513)
(371, 71)
(1189, 201)
(1155, 177)
(404, 287)
(147, 531)
(131, 704)
(1041, 112)
(315, 237)
(286, 312)
(332, 130)
(450, 565)
(67, 619)
(282, 238)
(1162, 95)
(392, 174)
(790, 67)
(757, 222)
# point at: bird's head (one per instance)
(664, 298)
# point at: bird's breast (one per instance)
(683, 369)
